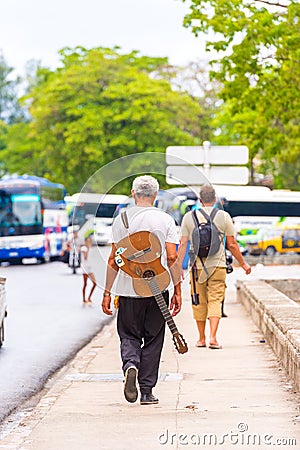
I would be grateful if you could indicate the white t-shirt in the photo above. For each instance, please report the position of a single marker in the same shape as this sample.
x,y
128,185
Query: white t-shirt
x,y
143,219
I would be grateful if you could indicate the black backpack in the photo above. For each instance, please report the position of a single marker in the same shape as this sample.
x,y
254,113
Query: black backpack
x,y
206,238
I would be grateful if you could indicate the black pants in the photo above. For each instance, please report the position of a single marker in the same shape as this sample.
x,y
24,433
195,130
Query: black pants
x,y
141,328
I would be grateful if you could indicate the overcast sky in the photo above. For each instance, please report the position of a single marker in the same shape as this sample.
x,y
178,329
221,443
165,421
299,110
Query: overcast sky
x,y
37,29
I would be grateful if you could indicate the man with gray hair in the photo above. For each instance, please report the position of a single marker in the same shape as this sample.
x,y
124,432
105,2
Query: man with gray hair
x,y
145,186
140,323
208,274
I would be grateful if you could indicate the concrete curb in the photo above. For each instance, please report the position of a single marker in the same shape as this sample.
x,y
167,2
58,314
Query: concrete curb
x,y
278,317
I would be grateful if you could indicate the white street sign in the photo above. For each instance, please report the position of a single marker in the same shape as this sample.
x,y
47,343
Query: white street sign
x,y
193,175
220,155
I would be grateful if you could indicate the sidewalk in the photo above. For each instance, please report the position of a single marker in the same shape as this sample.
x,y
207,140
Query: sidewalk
x,y
229,398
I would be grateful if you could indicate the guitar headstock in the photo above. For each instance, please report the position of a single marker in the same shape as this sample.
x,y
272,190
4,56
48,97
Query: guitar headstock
x,y
179,342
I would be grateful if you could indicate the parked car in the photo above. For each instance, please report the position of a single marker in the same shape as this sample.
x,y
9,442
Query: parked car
x,y
102,234
278,239
3,310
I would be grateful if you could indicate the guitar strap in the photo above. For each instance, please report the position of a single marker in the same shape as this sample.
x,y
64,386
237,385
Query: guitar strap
x,y
178,339
124,218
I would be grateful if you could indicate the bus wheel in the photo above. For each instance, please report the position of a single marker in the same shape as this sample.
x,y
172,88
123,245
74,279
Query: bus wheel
x,y
43,260
15,261
270,251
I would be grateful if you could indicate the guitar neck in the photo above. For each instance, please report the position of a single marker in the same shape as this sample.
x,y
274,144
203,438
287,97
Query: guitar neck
x,y
162,305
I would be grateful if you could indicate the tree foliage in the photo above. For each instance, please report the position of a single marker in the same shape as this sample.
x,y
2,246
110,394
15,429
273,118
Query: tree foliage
x,y
98,106
258,43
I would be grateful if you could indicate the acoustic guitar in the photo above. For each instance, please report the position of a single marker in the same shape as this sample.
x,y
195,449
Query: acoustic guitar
x,y
138,255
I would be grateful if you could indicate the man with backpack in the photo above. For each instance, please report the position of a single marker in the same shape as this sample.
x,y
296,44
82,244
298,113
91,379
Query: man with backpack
x,y
207,229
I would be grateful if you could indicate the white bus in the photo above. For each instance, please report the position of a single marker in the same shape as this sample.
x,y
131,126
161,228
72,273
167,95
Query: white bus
x,y
92,214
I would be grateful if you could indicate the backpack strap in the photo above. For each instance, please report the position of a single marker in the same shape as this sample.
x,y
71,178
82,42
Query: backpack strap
x,y
209,218
204,214
195,218
124,218
213,214
197,225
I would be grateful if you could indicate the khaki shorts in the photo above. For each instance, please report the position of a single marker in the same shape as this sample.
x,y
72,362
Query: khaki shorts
x,y
211,294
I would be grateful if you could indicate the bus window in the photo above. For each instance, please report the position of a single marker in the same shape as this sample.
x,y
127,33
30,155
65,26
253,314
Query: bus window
x,y
291,239
27,209
21,215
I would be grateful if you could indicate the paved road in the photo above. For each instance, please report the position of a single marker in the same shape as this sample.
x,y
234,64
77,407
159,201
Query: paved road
x,y
46,325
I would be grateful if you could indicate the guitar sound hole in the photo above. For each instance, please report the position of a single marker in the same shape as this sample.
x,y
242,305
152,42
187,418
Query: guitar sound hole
x,y
148,274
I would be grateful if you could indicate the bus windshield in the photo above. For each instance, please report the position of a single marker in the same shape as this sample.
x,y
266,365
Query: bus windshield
x,y
20,215
106,210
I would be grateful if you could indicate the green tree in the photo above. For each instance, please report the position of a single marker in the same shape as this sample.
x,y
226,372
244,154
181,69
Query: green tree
x,y
259,47
98,106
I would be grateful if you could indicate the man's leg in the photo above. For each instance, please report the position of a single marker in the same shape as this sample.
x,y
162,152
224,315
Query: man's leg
x,y
215,292
200,312
93,280
85,277
201,329
213,324
154,331
130,330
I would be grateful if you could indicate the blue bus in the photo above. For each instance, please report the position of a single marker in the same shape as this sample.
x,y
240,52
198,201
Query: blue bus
x,y
33,219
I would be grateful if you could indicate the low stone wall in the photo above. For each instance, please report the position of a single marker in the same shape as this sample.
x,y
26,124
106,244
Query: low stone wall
x,y
278,318
279,259
290,287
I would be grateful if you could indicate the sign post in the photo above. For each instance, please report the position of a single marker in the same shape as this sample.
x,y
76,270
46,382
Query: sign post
x,y
219,164
206,163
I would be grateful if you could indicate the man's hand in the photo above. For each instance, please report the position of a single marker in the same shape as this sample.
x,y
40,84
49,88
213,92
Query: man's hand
x,y
233,247
106,305
175,305
246,268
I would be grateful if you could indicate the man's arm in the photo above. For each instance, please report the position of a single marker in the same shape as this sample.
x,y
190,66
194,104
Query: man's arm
x,y
182,249
233,247
111,273
185,232
174,266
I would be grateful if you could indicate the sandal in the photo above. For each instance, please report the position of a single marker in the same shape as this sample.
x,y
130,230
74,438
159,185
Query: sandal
x,y
215,346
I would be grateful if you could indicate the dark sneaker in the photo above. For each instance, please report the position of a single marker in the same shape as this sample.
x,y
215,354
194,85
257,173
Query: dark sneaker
x,y
130,389
148,399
